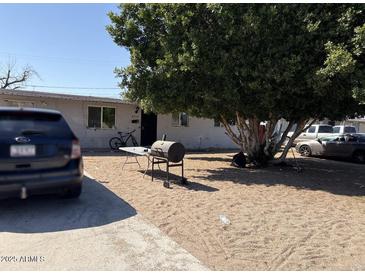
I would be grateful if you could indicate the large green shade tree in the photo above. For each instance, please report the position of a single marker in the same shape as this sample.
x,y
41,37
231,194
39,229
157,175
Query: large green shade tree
x,y
251,63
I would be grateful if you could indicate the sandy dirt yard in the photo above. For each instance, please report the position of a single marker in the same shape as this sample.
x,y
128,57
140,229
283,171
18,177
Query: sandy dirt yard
x,y
279,219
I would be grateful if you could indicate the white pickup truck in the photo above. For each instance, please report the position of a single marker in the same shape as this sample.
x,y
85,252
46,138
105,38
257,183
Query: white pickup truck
x,y
321,130
313,132
341,129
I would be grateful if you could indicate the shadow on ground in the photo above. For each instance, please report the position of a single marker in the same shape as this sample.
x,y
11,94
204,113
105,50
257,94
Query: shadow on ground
x,y
160,175
102,153
211,159
340,178
96,206
109,152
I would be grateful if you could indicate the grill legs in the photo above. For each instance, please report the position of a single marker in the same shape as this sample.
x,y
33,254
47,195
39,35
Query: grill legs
x,y
153,166
157,161
167,171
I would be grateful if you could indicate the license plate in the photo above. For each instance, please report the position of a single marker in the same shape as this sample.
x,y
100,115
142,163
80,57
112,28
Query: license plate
x,y
22,150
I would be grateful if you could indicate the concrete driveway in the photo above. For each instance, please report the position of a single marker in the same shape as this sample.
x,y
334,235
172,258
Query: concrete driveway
x,y
99,231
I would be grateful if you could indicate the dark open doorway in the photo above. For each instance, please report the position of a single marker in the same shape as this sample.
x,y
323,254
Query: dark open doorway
x,y
148,128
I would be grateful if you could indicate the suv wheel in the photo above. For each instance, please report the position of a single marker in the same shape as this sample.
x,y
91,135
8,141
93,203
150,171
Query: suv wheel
x,y
359,157
305,150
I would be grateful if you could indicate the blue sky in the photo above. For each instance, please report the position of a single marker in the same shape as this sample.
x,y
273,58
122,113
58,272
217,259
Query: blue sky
x,y
66,44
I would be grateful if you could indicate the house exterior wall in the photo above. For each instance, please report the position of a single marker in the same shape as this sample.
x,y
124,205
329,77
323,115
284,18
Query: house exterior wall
x,y
359,124
362,127
199,134
76,114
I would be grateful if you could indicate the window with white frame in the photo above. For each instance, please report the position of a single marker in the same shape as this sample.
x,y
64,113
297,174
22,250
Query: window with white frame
x,y
101,117
184,119
180,119
217,123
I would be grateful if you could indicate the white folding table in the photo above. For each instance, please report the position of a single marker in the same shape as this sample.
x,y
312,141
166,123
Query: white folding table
x,y
136,152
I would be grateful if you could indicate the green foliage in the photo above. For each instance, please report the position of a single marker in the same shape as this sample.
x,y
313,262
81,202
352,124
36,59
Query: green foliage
x,y
266,61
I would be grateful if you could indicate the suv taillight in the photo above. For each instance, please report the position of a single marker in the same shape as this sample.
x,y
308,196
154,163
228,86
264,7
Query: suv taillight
x,y
76,149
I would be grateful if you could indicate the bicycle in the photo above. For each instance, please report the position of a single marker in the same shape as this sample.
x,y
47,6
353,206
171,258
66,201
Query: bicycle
x,y
116,142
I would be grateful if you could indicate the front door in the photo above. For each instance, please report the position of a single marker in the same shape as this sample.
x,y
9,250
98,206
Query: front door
x,y
148,128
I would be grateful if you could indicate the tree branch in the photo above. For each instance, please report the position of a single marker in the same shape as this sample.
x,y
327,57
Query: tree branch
x,y
230,132
10,81
283,137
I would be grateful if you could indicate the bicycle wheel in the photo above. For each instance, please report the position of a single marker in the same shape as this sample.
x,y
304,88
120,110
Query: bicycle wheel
x,y
134,141
115,143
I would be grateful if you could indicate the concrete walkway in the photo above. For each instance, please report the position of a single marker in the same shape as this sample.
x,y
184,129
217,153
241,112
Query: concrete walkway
x,y
99,231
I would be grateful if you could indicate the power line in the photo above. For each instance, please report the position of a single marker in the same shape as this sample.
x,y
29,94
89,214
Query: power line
x,y
67,59
97,88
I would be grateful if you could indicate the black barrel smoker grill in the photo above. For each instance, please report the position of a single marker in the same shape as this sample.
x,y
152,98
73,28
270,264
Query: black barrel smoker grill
x,y
169,153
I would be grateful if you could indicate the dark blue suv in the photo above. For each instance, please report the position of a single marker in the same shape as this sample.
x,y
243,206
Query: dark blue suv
x,y
39,154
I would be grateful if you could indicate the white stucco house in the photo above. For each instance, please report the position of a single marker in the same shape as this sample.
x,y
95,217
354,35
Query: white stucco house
x,y
96,119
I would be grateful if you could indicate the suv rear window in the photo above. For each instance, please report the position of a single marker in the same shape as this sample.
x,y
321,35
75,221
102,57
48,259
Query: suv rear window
x,y
325,129
27,123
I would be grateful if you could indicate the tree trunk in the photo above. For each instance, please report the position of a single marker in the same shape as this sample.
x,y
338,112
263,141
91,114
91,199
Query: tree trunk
x,y
302,125
250,138
258,146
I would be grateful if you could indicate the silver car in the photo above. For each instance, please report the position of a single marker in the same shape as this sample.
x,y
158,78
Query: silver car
x,y
336,145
